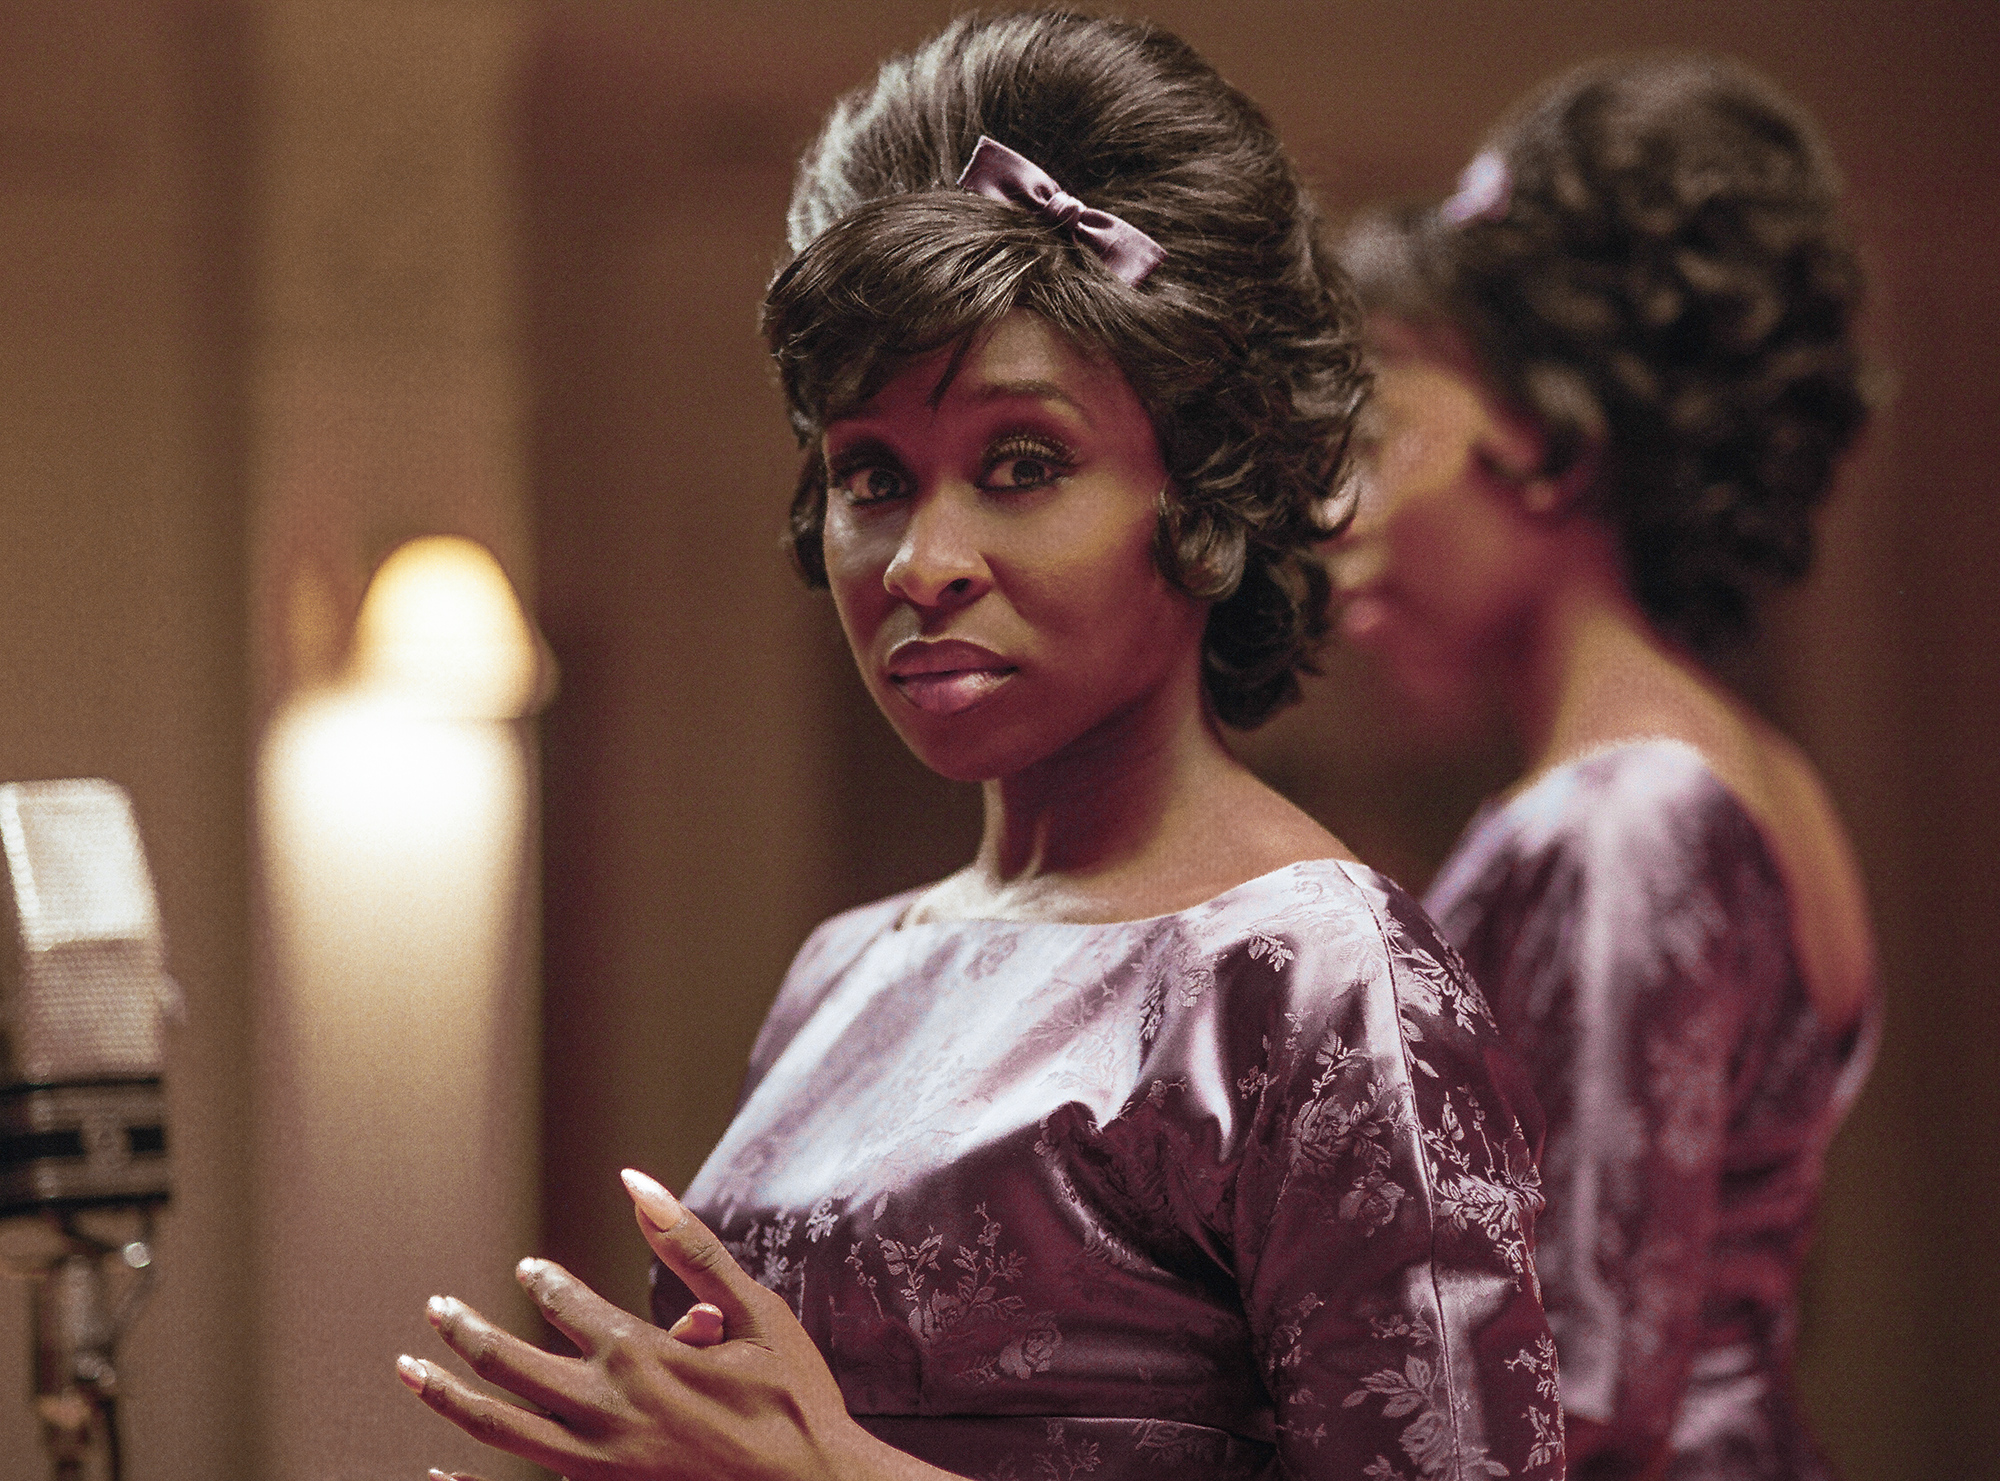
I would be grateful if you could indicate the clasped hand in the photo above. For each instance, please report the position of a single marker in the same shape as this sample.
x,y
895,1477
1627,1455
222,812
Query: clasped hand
x,y
734,1391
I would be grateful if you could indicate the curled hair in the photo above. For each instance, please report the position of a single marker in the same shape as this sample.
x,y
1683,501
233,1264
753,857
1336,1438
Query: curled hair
x,y
1653,266
1242,345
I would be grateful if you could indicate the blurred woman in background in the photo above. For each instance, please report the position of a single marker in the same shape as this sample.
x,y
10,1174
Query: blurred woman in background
x,y
1615,373
1163,1139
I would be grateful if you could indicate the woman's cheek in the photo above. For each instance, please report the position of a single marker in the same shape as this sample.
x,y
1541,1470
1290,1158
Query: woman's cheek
x,y
1455,565
856,559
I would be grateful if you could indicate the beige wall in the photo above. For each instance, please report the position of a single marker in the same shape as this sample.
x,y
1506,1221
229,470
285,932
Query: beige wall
x,y
395,1011
257,324
123,635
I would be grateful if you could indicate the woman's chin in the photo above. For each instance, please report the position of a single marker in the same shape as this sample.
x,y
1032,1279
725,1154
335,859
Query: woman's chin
x,y
955,763
958,747
972,747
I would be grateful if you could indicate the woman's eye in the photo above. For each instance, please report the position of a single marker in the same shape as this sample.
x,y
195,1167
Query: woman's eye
x,y
869,485
1023,473
1031,468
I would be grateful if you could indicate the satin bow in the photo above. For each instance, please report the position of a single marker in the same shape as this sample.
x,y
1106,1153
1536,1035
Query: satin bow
x,y
997,172
1485,191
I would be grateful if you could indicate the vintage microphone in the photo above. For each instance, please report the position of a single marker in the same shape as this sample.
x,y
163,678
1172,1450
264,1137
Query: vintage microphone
x,y
84,996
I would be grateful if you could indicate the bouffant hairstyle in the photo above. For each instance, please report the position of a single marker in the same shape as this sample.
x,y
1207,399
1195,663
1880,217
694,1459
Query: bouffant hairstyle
x,y
1242,344
1647,257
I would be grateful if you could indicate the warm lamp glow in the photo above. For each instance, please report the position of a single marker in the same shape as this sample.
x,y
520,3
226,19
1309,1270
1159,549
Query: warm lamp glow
x,y
442,633
395,815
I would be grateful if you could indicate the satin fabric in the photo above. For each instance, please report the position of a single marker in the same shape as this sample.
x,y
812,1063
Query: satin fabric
x,y
1242,1191
1002,174
1632,931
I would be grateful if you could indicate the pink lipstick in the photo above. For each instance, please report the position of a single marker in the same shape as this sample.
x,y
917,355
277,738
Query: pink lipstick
x,y
946,676
1361,615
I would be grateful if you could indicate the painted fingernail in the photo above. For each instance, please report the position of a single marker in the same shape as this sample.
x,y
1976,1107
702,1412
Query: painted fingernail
x,y
411,1371
699,1326
437,1309
659,1206
704,1325
528,1269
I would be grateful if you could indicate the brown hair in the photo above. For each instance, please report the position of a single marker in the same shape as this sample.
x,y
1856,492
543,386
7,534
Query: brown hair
x,y
1242,344
1657,272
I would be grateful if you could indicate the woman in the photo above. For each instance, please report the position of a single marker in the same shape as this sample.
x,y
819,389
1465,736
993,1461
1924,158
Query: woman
x,y
1615,372
1159,1140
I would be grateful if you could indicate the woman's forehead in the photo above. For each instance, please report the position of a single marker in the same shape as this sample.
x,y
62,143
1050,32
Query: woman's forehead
x,y
1022,357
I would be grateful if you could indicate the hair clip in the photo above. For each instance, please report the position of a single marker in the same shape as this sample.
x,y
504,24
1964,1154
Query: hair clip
x,y
1485,191
1000,174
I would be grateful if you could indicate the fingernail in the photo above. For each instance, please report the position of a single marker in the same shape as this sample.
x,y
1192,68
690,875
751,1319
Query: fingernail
x,y
437,1309
528,1269
437,1475
655,1202
705,1322
411,1371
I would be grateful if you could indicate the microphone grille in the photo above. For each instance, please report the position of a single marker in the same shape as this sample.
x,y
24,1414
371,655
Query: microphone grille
x,y
83,982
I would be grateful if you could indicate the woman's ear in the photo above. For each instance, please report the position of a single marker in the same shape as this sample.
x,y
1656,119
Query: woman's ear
x,y
1549,494
1515,456
1568,490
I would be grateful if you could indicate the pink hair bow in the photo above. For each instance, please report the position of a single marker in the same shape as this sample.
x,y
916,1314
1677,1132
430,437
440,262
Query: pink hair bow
x,y
1485,191
997,172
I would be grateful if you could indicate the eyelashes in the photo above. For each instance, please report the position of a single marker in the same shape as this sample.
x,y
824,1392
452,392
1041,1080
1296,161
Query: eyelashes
x,y
870,473
1043,459
866,483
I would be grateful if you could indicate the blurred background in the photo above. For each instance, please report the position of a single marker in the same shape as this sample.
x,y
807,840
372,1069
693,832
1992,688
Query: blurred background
x,y
286,284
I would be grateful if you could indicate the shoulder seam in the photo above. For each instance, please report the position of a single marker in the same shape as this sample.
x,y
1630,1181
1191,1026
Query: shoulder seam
x,y
1447,1356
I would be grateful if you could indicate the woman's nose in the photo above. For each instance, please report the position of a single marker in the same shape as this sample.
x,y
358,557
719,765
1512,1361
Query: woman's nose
x,y
938,561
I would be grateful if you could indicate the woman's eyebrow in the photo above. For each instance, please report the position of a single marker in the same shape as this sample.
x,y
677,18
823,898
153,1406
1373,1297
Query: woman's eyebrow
x,y
863,449
1031,390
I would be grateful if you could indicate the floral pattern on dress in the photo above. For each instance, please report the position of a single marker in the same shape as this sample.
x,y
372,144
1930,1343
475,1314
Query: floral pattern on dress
x,y
1241,1192
1633,933
1061,1459
974,1306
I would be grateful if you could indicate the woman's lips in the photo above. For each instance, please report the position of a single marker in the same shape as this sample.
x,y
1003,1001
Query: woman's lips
x,y
1362,615
944,677
950,690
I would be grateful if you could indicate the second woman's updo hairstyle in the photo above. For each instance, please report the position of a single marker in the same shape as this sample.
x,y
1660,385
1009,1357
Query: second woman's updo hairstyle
x,y
1242,343
1647,258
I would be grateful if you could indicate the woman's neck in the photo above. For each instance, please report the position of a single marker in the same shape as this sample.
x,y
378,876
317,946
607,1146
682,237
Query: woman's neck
x,y
1147,814
1591,670
1110,797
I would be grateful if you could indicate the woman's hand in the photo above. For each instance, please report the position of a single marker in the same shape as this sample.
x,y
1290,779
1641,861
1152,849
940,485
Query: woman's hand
x,y
734,1391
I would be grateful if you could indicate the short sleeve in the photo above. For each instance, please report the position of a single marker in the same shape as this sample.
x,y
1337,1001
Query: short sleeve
x,y
1383,1213
1622,951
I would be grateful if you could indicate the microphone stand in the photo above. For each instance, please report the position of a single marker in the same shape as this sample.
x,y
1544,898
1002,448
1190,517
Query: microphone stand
x,y
76,1332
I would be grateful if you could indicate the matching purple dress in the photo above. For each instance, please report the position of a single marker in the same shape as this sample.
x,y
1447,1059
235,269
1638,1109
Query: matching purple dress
x,y
1243,1191
1633,934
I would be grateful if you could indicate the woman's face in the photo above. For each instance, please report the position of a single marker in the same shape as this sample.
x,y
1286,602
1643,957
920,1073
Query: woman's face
x,y
990,548
1439,569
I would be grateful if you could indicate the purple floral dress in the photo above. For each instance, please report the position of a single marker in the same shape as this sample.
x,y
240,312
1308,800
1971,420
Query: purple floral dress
x,y
1633,933
1243,1191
